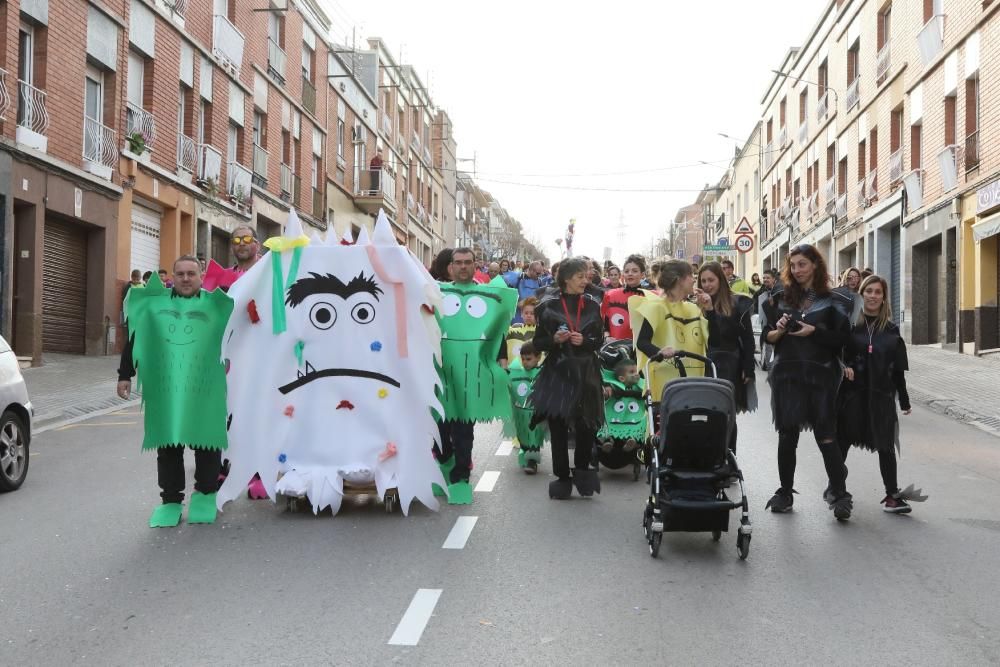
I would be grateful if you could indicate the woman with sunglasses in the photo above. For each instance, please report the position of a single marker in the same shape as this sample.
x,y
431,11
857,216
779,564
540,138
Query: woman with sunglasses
x,y
808,325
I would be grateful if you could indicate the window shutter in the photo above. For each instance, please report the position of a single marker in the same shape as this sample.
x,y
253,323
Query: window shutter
x,y
102,38
142,28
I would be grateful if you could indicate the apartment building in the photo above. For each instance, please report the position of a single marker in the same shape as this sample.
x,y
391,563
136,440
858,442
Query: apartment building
x,y
445,155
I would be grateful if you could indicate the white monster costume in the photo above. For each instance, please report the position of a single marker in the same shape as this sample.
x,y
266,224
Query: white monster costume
x,y
331,350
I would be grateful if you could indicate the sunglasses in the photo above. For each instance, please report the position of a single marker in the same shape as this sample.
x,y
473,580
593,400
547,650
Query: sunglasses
x,y
246,240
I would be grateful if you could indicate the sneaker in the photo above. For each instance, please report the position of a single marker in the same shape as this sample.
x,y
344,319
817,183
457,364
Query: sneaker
x,y
781,501
827,496
530,467
842,507
895,505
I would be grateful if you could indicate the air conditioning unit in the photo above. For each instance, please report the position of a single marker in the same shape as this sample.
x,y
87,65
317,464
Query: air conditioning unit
x,y
359,134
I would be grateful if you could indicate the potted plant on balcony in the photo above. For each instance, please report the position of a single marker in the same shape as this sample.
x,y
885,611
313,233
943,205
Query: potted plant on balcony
x,y
210,186
239,197
137,143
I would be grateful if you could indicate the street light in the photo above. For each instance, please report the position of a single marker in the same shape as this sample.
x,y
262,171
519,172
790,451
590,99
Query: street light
x,y
836,97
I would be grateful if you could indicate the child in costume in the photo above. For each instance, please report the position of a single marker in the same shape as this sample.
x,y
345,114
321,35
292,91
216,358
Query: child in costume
x,y
525,331
175,339
530,438
624,409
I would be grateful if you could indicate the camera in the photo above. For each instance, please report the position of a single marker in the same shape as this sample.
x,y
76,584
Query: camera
x,y
794,322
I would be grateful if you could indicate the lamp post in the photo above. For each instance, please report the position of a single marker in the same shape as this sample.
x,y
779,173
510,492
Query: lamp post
x,y
760,184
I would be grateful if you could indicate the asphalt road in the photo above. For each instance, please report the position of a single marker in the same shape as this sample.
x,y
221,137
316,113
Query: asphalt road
x,y
83,580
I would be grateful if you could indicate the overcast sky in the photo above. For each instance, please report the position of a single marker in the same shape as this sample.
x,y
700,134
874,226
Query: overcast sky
x,y
557,99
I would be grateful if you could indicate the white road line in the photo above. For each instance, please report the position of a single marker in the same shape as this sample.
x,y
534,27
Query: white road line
x,y
459,535
487,481
506,447
412,625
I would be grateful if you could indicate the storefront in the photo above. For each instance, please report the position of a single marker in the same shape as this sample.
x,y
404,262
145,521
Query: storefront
x,y
981,268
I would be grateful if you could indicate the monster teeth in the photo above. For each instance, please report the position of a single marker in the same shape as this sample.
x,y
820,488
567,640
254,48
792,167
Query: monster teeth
x,y
301,374
483,337
444,334
309,369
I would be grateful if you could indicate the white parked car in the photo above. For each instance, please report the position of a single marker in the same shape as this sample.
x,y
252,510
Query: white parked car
x,y
15,421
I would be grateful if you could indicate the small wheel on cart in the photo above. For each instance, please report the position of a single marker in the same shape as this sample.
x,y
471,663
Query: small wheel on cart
x,y
647,520
743,546
636,471
654,544
716,535
389,501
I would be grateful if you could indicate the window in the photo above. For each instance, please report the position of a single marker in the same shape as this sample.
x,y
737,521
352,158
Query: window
x,y
809,181
26,53
225,8
873,149
884,26
781,111
259,129
916,148
896,130
853,63
341,129
861,160
803,105
831,161
276,28
315,173
950,108
746,197
204,132
307,63
796,192
136,71
756,184
972,122
739,208
933,8
93,104
822,79
770,129
842,176
232,148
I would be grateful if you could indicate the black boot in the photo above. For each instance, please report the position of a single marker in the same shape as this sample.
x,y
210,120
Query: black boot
x,y
560,489
586,482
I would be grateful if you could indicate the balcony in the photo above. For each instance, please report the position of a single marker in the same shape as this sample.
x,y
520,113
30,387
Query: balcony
x,y
931,39
178,7
386,125
972,151
882,64
209,165
421,214
32,116
5,98
317,204
415,144
100,152
768,155
841,207
296,191
308,96
948,159
812,204
286,181
862,194
804,133
140,129
896,166
871,186
830,194
854,93
410,202
259,166
913,182
238,180
374,190
427,155
823,106
187,154
227,44
276,60
782,137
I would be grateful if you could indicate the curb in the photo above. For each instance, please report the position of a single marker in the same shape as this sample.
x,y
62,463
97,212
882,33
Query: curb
x,y
53,424
949,408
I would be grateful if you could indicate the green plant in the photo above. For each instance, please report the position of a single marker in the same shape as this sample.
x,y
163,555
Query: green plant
x,y
211,187
137,143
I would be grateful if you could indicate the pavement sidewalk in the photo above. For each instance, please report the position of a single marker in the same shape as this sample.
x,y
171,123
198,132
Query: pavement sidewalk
x,y
71,387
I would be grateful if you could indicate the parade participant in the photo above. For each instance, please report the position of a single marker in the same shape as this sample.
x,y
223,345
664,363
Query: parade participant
x,y
848,288
808,326
663,324
331,353
246,249
624,417
473,320
730,334
614,277
518,334
567,390
175,337
441,266
530,436
761,299
614,306
736,284
526,283
875,379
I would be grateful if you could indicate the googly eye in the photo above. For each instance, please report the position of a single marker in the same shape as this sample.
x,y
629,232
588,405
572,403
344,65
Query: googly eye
x,y
476,306
522,389
617,319
620,407
633,408
363,313
322,315
450,305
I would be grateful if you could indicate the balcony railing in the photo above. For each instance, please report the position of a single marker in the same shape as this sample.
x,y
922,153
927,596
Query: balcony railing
x,y
882,63
178,7
841,208
415,143
296,191
427,155
260,161
238,178
854,93
209,163
871,185
948,160
227,43
931,39
823,106
830,194
286,179
5,98
141,122
896,166
803,133
308,96
782,137
31,112
317,204
187,154
768,155
913,182
862,195
410,202
386,124
99,143
276,60
375,183
972,151
812,204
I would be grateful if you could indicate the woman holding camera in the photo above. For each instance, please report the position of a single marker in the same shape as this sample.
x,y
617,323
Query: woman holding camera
x,y
808,325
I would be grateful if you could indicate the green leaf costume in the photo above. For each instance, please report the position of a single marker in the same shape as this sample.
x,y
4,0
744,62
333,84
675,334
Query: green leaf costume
x,y
529,439
625,411
474,319
177,350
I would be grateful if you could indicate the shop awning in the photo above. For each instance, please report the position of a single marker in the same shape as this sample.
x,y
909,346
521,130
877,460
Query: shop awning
x,y
987,228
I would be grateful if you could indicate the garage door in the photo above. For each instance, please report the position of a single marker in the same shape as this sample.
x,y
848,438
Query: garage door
x,y
64,287
145,239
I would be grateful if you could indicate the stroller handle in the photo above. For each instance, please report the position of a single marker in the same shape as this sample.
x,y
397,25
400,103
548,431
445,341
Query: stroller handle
x,y
679,365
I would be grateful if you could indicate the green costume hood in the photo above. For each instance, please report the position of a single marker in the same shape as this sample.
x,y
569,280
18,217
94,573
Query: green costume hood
x,y
625,412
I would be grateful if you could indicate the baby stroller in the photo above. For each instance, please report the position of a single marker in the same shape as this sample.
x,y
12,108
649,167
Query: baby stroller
x,y
624,439
692,463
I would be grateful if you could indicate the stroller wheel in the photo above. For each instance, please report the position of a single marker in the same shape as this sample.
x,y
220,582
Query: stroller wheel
x,y
654,544
647,520
743,546
716,535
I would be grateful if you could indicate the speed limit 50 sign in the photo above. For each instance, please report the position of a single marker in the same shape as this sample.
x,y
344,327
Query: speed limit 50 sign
x,y
744,243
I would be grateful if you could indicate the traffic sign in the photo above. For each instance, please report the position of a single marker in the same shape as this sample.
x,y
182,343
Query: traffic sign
x,y
744,227
722,240
744,243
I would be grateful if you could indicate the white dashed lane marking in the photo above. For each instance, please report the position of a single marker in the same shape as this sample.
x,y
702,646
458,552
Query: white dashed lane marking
x,y
506,447
459,535
412,625
487,481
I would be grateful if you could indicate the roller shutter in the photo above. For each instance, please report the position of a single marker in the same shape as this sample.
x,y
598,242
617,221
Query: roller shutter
x,y
64,287
145,239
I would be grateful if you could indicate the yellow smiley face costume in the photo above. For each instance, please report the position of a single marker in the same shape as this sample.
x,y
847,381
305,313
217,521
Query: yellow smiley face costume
x,y
679,325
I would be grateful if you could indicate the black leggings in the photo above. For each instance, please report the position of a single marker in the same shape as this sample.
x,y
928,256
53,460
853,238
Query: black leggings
x,y
170,472
886,465
833,460
559,436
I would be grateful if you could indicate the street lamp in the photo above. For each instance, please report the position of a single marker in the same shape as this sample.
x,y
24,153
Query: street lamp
x,y
826,88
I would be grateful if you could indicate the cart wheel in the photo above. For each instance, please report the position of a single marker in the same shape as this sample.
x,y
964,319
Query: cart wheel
x,y
716,535
654,544
647,519
743,546
389,501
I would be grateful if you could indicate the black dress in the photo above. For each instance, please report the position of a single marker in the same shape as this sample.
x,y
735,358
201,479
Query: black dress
x,y
731,348
867,406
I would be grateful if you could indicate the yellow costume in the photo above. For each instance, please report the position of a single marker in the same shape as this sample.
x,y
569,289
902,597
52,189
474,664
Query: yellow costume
x,y
517,335
679,325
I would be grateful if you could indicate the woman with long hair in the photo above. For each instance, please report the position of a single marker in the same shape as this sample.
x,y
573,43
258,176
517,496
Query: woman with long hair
x,y
850,279
808,326
664,324
441,266
568,390
876,363
614,306
613,279
730,333
504,266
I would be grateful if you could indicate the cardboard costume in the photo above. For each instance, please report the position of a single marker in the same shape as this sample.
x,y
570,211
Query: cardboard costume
x,y
530,438
674,324
517,335
331,351
614,312
625,411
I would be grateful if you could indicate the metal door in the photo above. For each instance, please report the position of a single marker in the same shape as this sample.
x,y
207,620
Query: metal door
x,y
64,287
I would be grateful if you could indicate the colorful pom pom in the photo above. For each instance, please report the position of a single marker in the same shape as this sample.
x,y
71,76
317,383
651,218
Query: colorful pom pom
x,y
282,458
252,312
376,346
289,410
382,393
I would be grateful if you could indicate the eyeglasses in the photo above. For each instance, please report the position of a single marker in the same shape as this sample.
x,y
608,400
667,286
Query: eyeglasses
x,y
245,240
